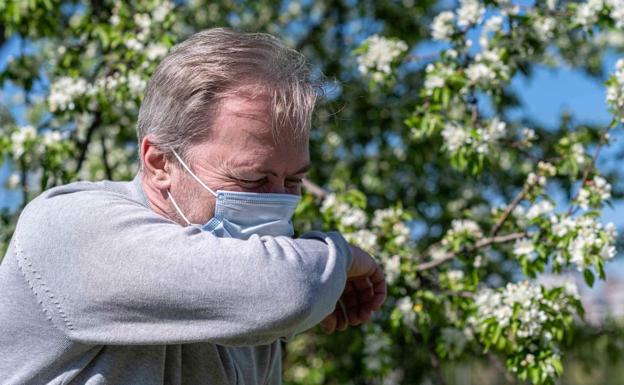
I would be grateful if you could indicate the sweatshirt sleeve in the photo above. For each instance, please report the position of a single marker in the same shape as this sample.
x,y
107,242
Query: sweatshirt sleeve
x,y
108,270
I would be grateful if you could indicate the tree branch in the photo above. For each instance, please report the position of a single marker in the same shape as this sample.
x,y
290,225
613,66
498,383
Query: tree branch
x,y
314,189
592,163
480,244
508,210
107,167
97,120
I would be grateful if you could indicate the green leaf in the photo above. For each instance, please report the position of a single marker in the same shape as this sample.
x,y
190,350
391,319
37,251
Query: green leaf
x,y
589,277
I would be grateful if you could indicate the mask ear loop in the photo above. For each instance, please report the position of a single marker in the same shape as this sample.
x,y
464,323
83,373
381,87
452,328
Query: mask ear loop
x,y
178,208
192,174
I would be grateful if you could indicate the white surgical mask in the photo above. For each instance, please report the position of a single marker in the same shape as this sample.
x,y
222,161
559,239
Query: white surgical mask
x,y
241,214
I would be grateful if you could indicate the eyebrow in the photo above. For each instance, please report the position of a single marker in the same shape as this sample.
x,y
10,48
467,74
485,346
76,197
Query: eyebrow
x,y
236,171
302,170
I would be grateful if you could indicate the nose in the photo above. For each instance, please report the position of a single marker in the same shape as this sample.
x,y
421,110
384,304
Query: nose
x,y
279,186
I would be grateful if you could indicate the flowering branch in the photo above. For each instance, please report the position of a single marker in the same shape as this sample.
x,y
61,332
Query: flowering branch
x,y
508,210
480,244
592,163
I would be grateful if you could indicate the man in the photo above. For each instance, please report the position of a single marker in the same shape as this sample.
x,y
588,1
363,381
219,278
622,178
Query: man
x,y
189,273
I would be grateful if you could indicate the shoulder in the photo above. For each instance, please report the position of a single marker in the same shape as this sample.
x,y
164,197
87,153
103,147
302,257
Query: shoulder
x,y
76,204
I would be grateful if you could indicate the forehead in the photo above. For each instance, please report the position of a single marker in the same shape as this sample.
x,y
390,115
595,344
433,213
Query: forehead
x,y
242,134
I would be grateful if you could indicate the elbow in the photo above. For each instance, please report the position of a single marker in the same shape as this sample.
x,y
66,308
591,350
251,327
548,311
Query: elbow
x,y
305,306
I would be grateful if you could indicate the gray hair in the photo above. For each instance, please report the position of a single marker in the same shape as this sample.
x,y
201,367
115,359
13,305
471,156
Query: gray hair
x,y
187,86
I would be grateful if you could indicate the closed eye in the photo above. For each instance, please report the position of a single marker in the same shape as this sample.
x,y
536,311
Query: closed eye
x,y
250,181
294,180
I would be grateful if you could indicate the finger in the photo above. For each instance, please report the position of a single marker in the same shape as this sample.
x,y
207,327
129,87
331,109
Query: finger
x,y
350,296
365,314
362,285
379,289
329,323
342,317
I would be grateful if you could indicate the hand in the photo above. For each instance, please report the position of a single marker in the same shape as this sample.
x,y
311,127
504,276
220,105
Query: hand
x,y
364,293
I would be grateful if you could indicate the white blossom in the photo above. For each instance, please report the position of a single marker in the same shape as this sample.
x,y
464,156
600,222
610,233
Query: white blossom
x,y
354,218
363,238
539,209
136,84
161,11
433,81
134,44
347,215
381,216
142,20
478,262
392,268
455,136
578,152
551,4
155,51
501,304
615,89
380,54
523,247
546,168
455,276
64,91
376,347
14,180
493,24
406,307
534,179
443,26
401,233
20,137
528,134
616,12
464,227
50,138
587,13
480,72
470,12
571,289
587,237
544,28
598,186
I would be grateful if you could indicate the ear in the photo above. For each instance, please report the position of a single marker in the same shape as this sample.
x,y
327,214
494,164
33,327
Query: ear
x,y
156,166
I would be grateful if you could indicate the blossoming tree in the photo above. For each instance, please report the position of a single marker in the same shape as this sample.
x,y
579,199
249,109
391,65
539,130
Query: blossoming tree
x,y
454,199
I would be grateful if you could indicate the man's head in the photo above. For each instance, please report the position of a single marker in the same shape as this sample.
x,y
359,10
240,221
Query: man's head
x,y
237,108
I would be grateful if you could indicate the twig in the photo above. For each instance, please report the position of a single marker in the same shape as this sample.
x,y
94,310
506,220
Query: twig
x,y
97,120
516,201
314,189
592,163
107,167
480,244
24,182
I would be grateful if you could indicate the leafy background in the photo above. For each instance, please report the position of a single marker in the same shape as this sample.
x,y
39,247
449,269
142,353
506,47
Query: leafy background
x,y
73,73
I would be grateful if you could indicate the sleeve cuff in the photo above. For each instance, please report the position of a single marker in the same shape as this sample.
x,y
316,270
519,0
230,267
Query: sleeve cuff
x,y
341,244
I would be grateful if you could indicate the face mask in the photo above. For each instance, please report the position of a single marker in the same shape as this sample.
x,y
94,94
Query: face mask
x,y
241,214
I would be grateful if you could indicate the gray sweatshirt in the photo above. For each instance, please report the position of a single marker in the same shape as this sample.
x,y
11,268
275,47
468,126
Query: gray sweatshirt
x,y
96,288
